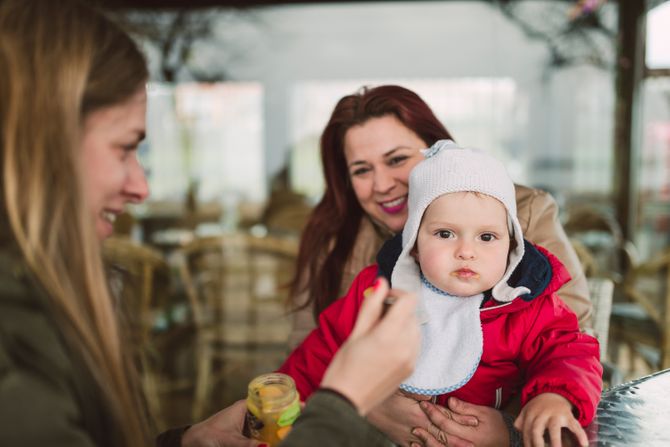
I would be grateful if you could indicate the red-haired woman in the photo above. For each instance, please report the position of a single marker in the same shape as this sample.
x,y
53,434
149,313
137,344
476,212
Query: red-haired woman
x,y
368,148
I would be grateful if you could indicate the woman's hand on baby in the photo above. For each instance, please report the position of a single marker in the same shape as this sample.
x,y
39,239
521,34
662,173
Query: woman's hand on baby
x,y
548,412
396,417
462,424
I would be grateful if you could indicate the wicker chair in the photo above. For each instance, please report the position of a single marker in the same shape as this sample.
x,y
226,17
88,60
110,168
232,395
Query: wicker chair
x,y
644,322
598,241
236,289
139,279
601,293
586,258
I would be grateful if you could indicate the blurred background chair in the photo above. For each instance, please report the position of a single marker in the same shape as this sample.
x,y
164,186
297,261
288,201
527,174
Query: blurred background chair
x,y
586,258
140,281
237,287
598,241
643,322
601,291
286,211
638,308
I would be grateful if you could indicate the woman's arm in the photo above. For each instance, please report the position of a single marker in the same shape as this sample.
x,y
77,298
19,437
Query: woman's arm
x,y
320,424
46,397
330,421
307,364
378,355
36,409
368,242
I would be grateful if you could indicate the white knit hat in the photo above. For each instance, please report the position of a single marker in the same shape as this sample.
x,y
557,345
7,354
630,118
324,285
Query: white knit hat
x,y
449,168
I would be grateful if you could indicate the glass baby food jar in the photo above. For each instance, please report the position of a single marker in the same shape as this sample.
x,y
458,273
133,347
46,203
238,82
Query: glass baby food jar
x,y
273,404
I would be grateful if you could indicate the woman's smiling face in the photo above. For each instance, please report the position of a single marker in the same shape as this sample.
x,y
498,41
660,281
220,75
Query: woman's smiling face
x,y
380,154
112,175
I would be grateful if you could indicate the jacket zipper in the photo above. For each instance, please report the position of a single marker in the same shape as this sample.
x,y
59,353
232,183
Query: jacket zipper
x,y
498,398
495,307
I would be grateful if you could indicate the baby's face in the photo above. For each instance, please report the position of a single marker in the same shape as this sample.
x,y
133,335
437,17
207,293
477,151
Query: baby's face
x,y
463,243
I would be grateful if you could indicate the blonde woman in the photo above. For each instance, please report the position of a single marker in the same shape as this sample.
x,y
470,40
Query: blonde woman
x,y
72,113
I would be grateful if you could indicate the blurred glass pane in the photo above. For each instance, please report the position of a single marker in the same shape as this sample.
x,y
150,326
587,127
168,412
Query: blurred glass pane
x,y
208,133
654,176
658,37
480,112
557,136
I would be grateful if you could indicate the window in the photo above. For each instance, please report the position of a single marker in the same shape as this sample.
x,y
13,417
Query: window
x,y
653,225
658,36
485,113
559,141
210,134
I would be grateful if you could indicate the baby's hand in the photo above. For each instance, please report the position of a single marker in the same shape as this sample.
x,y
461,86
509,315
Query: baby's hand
x,y
552,412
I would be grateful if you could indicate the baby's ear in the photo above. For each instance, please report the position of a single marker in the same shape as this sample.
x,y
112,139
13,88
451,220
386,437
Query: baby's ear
x,y
414,252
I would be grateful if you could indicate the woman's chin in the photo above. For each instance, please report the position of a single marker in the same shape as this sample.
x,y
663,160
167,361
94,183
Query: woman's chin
x,y
103,229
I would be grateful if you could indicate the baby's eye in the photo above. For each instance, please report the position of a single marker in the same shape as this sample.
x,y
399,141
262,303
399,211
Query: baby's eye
x,y
444,234
488,237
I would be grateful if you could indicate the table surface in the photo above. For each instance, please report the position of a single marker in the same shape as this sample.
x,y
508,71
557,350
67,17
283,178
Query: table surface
x,y
636,413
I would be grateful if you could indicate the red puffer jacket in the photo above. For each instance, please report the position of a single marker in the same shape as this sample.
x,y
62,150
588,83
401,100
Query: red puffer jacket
x,y
531,345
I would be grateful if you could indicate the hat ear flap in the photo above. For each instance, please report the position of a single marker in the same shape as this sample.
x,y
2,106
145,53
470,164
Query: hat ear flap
x,y
502,291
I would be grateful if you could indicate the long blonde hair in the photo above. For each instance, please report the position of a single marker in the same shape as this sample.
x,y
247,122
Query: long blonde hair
x,y
60,60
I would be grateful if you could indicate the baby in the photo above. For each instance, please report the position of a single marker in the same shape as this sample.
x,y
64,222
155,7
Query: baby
x,y
492,325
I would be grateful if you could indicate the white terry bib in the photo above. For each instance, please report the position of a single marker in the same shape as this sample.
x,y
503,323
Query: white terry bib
x,y
451,342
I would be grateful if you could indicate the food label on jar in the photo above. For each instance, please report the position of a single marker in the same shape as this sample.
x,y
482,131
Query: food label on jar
x,y
254,424
288,416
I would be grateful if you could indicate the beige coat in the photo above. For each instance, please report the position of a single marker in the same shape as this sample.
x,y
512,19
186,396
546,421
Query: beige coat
x,y
538,215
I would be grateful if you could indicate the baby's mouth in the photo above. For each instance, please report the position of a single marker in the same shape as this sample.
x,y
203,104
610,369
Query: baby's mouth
x,y
465,273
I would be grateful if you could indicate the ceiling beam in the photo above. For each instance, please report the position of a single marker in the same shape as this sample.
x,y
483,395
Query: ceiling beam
x,y
197,4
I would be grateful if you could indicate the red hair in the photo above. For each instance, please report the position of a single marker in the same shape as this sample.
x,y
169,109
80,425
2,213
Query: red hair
x,y
328,238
